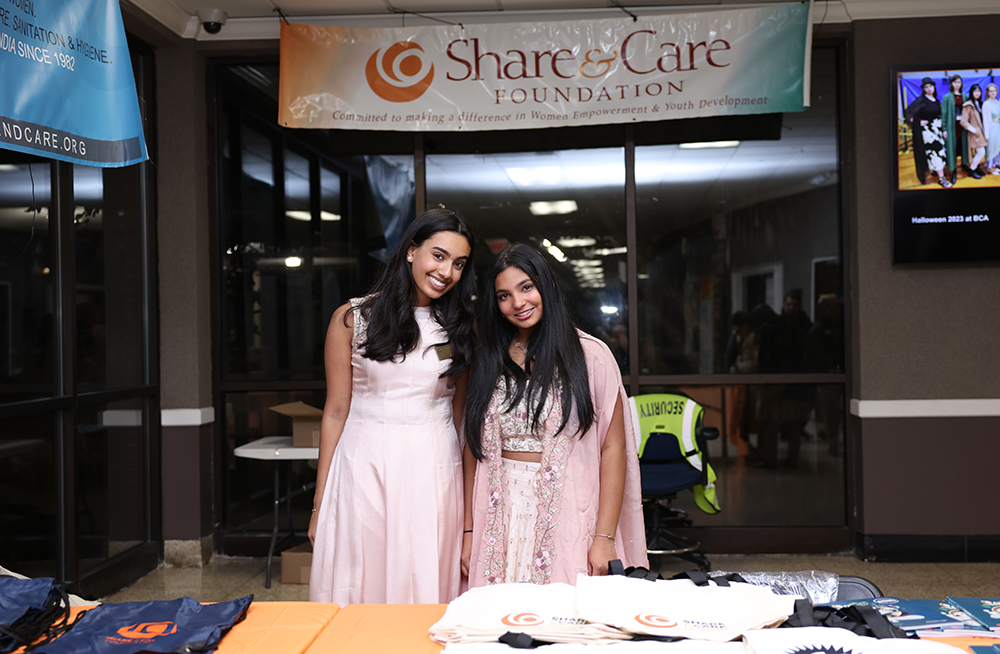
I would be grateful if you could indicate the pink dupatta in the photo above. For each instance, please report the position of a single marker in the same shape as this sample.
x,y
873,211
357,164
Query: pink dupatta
x,y
568,488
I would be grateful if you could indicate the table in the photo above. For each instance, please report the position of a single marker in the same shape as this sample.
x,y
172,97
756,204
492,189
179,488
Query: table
x,y
279,449
315,628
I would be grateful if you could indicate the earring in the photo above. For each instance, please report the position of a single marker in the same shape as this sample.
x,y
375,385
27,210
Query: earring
x,y
409,258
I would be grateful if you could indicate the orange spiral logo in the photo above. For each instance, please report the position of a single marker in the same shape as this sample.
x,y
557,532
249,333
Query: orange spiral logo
x,y
145,630
521,620
400,74
655,621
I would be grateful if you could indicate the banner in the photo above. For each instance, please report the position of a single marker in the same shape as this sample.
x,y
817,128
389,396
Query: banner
x,y
546,74
68,92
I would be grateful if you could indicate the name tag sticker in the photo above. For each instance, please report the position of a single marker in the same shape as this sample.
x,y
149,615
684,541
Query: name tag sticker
x,y
443,351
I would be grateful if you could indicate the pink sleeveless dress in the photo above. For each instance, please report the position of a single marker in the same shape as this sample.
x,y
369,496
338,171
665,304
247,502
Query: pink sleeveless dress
x,y
390,524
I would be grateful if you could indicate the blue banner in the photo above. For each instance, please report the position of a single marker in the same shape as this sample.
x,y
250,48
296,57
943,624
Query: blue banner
x,y
67,90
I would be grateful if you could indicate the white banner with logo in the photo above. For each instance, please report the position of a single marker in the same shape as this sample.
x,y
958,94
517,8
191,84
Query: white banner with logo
x,y
547,74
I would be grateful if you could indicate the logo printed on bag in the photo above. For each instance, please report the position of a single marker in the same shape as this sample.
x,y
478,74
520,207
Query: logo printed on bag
x,y
655,621
521,619
400,74
147,630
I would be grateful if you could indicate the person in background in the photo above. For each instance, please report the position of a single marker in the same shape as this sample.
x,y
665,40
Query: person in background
x,y
955,138
387,515
972,122
738,359
552,476
796,399
924,116
824,353
991,124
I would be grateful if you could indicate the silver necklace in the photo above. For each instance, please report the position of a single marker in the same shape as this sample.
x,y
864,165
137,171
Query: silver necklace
x,y
517,344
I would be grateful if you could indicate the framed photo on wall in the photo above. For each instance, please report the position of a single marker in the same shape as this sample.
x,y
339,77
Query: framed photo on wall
x,y
946,172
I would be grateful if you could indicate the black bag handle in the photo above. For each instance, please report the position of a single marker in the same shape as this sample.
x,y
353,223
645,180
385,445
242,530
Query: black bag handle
x,y
878,623
859,619
616,567
701,579
45,623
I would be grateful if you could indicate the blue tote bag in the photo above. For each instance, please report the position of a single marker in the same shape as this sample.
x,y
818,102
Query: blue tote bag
x,y
30,608
183,626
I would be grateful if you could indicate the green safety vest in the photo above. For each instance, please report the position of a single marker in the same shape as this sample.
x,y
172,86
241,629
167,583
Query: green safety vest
x,y
662,413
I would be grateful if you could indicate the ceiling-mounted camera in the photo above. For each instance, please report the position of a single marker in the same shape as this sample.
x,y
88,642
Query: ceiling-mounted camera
x,y
212,20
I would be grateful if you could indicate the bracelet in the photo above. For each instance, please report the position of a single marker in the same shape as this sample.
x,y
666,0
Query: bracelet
x,y
467,531
611,538
315,510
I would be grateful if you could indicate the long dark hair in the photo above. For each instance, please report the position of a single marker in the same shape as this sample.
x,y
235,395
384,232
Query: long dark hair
x,y
978,104
554,348
392,328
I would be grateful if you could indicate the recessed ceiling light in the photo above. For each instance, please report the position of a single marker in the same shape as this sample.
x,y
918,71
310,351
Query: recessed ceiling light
x,y
550,208
538,176
306,216
607,252
576,242
709,144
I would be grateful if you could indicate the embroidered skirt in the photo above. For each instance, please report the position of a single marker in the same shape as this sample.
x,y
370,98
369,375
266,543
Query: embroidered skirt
x,y
521,508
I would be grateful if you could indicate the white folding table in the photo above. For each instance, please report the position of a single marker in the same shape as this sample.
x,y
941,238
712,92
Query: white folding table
x,y
279,449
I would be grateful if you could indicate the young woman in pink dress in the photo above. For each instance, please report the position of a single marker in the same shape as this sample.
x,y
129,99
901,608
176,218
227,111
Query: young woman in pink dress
x,y
388,509
552,477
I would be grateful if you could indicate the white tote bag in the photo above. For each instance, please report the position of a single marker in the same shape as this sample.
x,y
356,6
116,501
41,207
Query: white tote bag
x,y
679,607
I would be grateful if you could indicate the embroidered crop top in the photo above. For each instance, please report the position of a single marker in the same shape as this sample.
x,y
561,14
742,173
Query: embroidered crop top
x,y
515,425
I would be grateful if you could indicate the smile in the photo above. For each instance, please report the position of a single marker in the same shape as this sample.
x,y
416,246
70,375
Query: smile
x,y
524,314
437,283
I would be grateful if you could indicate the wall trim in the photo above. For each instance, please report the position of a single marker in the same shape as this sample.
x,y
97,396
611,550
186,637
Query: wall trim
x,y
925,408
187,417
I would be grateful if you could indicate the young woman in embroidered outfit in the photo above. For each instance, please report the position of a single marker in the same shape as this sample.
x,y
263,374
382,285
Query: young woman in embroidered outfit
x,y
387,516
555,491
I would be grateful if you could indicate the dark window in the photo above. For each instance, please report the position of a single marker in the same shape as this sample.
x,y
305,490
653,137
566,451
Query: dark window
x,y
78,401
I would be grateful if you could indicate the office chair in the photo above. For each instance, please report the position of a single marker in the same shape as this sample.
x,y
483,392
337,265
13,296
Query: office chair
x,y
672,457
855,588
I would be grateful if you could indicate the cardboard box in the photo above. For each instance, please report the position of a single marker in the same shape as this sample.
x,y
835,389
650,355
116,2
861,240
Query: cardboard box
x,y
305,422
295,564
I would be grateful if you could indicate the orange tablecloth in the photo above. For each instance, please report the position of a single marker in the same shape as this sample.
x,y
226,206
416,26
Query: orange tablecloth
x,y
285,627
381,629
